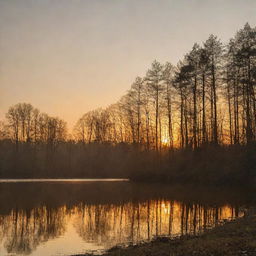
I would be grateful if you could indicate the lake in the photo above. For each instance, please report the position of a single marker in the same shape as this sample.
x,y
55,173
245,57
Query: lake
x,y
67,217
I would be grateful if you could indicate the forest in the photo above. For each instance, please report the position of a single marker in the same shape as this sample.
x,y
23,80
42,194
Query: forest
x,y
193,122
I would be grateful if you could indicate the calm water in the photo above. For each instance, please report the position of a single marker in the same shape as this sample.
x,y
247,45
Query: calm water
x,y
63,218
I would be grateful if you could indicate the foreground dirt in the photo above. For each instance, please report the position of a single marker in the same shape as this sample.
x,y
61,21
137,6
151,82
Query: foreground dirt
x,y
233,238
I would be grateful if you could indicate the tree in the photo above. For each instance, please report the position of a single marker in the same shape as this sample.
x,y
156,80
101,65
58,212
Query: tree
x,y
154,80
136,94
214,50
168,77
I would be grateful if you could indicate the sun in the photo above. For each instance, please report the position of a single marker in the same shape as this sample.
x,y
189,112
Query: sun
x,y
165,140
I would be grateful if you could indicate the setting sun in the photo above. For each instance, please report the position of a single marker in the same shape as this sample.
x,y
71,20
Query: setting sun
x,y
165,141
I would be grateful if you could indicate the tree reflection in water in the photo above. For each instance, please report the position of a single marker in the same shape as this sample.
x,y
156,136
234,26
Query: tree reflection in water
x,y
134,222
25,230
127,215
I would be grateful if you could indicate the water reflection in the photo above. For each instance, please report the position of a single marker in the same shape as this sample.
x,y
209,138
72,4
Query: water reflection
x,y
134,222
103,221
22,231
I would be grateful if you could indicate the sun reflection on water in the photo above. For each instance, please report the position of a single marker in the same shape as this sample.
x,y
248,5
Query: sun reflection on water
x,y
101,226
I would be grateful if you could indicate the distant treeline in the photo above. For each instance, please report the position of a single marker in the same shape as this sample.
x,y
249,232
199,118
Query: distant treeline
x,y
198,115
210,165
65,160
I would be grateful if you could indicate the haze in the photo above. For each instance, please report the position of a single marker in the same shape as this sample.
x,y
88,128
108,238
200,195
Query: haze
x,y
70,56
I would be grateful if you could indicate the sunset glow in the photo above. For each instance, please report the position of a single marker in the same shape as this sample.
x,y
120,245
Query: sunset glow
x,y
68,57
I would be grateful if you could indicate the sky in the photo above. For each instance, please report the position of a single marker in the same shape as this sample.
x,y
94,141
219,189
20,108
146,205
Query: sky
x,y
67,57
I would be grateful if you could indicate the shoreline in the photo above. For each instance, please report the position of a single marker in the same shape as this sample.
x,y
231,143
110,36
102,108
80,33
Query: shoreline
x,y
230,239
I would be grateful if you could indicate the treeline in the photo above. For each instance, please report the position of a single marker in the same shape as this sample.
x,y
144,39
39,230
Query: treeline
x,y
177,123
26,124
36,145
208,98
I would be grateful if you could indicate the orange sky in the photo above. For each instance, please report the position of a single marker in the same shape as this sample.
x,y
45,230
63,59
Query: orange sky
x,y
67,57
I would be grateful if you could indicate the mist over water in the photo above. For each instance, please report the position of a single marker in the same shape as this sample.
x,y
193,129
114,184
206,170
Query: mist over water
x,y
50,218
58,180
